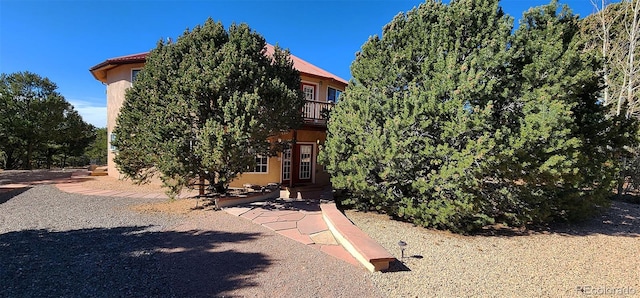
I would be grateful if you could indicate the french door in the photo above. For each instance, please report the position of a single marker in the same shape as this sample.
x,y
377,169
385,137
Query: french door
x,y
297,164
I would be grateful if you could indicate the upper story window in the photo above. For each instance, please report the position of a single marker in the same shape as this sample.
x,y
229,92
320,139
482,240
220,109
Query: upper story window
x,y
309,91
333,95
134,75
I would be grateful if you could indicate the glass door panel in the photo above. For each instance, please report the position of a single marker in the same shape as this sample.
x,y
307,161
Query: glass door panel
x,y
305,161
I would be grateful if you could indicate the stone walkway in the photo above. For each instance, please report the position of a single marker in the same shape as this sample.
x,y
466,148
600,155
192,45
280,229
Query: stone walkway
x,y
300,220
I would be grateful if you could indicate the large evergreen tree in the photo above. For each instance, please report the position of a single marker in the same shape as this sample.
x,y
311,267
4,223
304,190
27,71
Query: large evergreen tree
x,y
97,150
453,122
413,124
205,105
75,136
562,150
36,121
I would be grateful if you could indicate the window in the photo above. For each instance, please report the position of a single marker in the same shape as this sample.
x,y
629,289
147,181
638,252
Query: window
x,y
309,92
305,161
262,163
134,75
286,164
333,95
112,138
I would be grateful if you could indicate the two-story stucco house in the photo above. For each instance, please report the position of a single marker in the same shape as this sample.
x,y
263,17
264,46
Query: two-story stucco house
x,y
295,166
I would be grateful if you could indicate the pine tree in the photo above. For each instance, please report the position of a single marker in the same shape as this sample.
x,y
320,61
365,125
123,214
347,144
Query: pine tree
x,y
561,152
31,111
453,122
205,106
97,150
414,123
75,135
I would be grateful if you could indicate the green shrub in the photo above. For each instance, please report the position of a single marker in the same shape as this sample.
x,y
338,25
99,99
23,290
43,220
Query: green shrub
x,y
453,122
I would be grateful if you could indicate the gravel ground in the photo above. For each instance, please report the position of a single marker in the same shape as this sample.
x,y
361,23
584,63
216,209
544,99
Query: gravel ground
x,y
58,244
55,244
595,258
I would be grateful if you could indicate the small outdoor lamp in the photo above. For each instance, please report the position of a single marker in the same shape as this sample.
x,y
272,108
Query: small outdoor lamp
x,y
402,245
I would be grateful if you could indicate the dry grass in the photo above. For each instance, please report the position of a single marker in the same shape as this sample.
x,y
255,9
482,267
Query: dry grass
x,y
111,183
176,207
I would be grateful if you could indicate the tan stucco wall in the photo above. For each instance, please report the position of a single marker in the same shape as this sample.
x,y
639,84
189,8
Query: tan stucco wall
x,y
322,86
118,80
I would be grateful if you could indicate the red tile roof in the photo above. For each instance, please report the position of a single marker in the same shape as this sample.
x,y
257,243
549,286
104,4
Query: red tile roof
x,y
301,65
135,58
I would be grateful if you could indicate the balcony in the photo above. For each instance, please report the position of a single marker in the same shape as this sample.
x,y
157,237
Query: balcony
x,y
315,112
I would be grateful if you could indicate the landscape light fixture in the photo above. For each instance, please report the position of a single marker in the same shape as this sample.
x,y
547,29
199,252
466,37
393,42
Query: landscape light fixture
x,y
402,245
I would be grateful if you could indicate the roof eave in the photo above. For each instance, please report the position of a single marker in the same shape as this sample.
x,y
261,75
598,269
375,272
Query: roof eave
x,y
99,71
330,79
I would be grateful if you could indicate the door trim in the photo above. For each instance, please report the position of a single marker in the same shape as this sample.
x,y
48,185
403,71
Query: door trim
x,y
314,158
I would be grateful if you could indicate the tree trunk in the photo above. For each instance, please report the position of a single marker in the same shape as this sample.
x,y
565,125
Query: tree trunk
x,y
201,185
633,36
606,43
28,157
219,185
621,179
49,158
9,160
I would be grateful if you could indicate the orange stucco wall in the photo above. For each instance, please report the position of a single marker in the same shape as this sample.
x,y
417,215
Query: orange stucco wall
x,y
272,176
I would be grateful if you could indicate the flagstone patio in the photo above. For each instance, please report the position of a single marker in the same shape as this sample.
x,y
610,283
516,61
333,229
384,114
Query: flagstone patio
x,y
299,220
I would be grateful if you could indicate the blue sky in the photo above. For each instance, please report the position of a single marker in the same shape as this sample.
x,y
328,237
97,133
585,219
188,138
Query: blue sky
x,y
62,39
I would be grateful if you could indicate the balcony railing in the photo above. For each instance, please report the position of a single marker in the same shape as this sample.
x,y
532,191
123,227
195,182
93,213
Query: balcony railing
x,y
316,111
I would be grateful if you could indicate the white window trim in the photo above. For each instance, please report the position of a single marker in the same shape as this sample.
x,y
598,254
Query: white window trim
x,y
261,173
314,161
316,89
282,164
310,162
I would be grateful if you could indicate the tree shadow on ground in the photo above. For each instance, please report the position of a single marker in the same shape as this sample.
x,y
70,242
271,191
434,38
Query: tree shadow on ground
x,y
281,205
7,194
628,198
306,205
22,176
622,219
125,261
